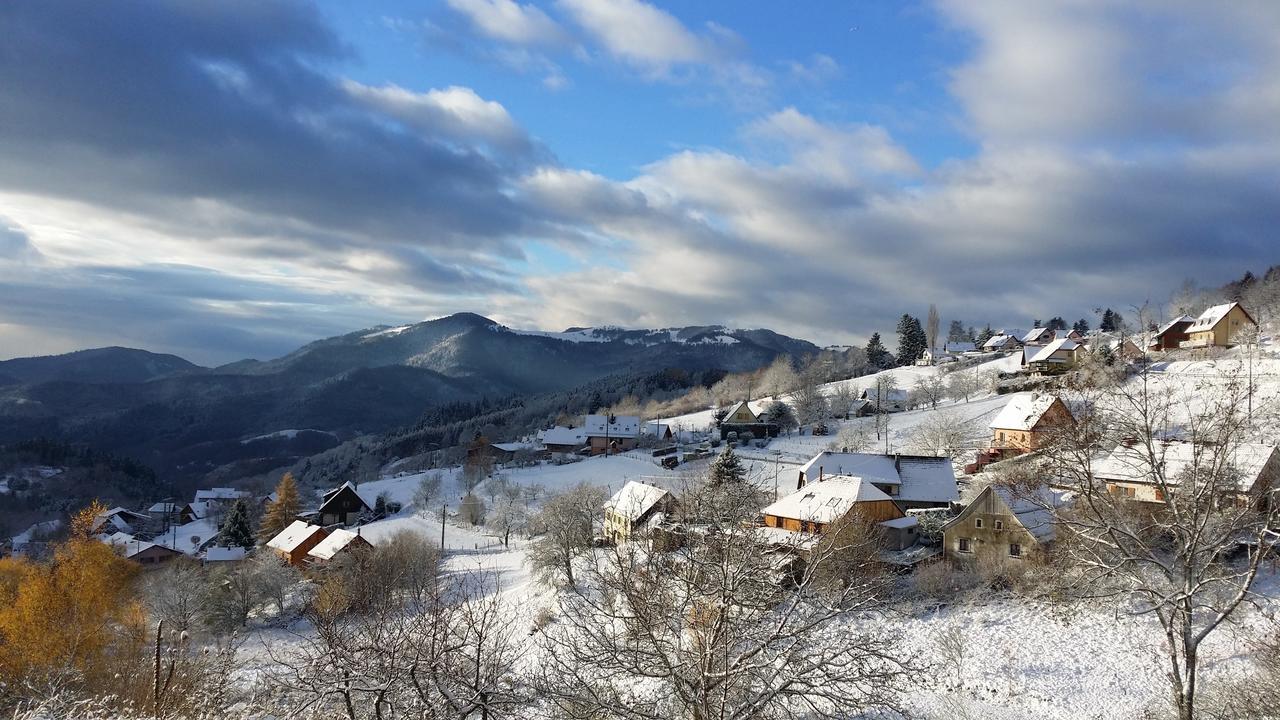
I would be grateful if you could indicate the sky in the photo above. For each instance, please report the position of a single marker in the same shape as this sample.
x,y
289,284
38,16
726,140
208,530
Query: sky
x,y
234,179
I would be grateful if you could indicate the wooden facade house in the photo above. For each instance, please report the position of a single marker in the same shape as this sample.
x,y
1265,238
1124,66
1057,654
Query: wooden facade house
x,y
560,440
1002,524
608,434
1218,326
146,553
1172,334
1128,470
344,505
742,417
1027,422
634,507
1056,357
337,544
294,542
1002,343
813,509
1039,336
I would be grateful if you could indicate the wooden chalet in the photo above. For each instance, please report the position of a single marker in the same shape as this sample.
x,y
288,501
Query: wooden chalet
x,y
814,508
294,542
1172,334
1128,470
608,434
912,481
634,507
742,417
344,505
337,544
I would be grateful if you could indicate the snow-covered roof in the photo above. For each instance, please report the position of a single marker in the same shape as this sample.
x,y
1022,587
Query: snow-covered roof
x,y
218,553
1169,325
1022,412
999,341
1134,464
826,501
118,518
656,429
563,436
959,347
220,494
202,508
164,507
1031,508
291,537
919,478
902,522
740,404
335,543
1046,352
615,426
369,500
1035,334
511,446
635,499
1211,317
189,538
1012,332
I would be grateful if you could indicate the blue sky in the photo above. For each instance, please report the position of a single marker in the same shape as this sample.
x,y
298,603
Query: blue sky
x,y
235,179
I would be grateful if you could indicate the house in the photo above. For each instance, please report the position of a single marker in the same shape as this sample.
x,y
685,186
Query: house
x,y
634,507
1039,336
1056,357
744,418
500,453
1128,469
1218,326
294,542
611,433
661,431
338,543
563,440
1028,422
954,347
118,519
219,554
145,553
913,481
895,400
199,510
1002,524
344,505
1121,348
742,414
814,507
1070,334
1001,343
221,496
1172,334
933,356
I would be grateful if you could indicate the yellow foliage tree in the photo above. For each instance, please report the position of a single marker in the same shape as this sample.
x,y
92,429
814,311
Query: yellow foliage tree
x,y
74,620
283,510
84,523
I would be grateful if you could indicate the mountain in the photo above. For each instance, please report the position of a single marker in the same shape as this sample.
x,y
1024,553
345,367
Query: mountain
x,y
101,365
188,419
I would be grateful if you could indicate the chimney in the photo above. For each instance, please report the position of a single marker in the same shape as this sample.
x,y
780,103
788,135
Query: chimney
x,y
819,473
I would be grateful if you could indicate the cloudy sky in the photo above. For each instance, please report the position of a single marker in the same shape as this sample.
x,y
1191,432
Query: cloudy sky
x,y
232,179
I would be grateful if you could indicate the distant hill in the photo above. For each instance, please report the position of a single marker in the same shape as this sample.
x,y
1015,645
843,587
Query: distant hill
x,y
189,419
100,365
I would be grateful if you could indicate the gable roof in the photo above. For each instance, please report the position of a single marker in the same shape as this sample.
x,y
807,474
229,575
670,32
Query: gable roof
x,y
348,485
1172,323
958,346
614,426
337,541
826,501
741,404
1134,464
217,553
996,341
1023,412
220,494
919,478
1046,352
288,539
657,429
201,508
1035,334
1031,508
559,435
635,499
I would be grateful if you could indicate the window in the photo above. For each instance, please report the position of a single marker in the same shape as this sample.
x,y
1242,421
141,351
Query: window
x,y
964,545
999,524
1015,550
977,522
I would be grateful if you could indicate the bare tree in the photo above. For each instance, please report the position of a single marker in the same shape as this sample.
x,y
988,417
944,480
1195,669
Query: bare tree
x,y
842,398
853,437
942,433
717,631
1172,556
177,594
961,384
509,513
929,390
566,523
931,325
810,404
427,492
882,390
779,377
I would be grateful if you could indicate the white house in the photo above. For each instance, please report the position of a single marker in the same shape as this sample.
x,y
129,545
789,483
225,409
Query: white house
x,y
634,507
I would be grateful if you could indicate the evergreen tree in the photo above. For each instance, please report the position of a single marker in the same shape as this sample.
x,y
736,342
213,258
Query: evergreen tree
x,y
236,530
1081,326
877,355
727,468
956,333
1057,323
912,340
1111,321
982,337
781,413
283,510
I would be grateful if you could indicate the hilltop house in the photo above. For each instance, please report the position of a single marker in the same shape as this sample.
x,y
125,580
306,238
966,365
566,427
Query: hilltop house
x,y
1027,422
561,440
1070,334
815,507
344,505
895,400
634,507
913,481
294,542
1121,348
118,519
338,543
221,496
611,433
742,418
1039,336
659,431
1172,334
1128,470
1056,357
1001,343
1218,326
1002,524
145,553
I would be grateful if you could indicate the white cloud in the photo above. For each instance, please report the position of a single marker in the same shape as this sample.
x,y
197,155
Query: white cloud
x,y
639,33
511,22
456,112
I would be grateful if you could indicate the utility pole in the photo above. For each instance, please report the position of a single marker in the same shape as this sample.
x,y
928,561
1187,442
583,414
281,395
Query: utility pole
x,y
444,509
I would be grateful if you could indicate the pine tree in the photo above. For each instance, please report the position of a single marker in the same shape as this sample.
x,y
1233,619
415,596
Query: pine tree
x,y
727,468
283,510
236,530
877,355
1081,326
981,338
1057,323
956,333
1110,321
911,340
